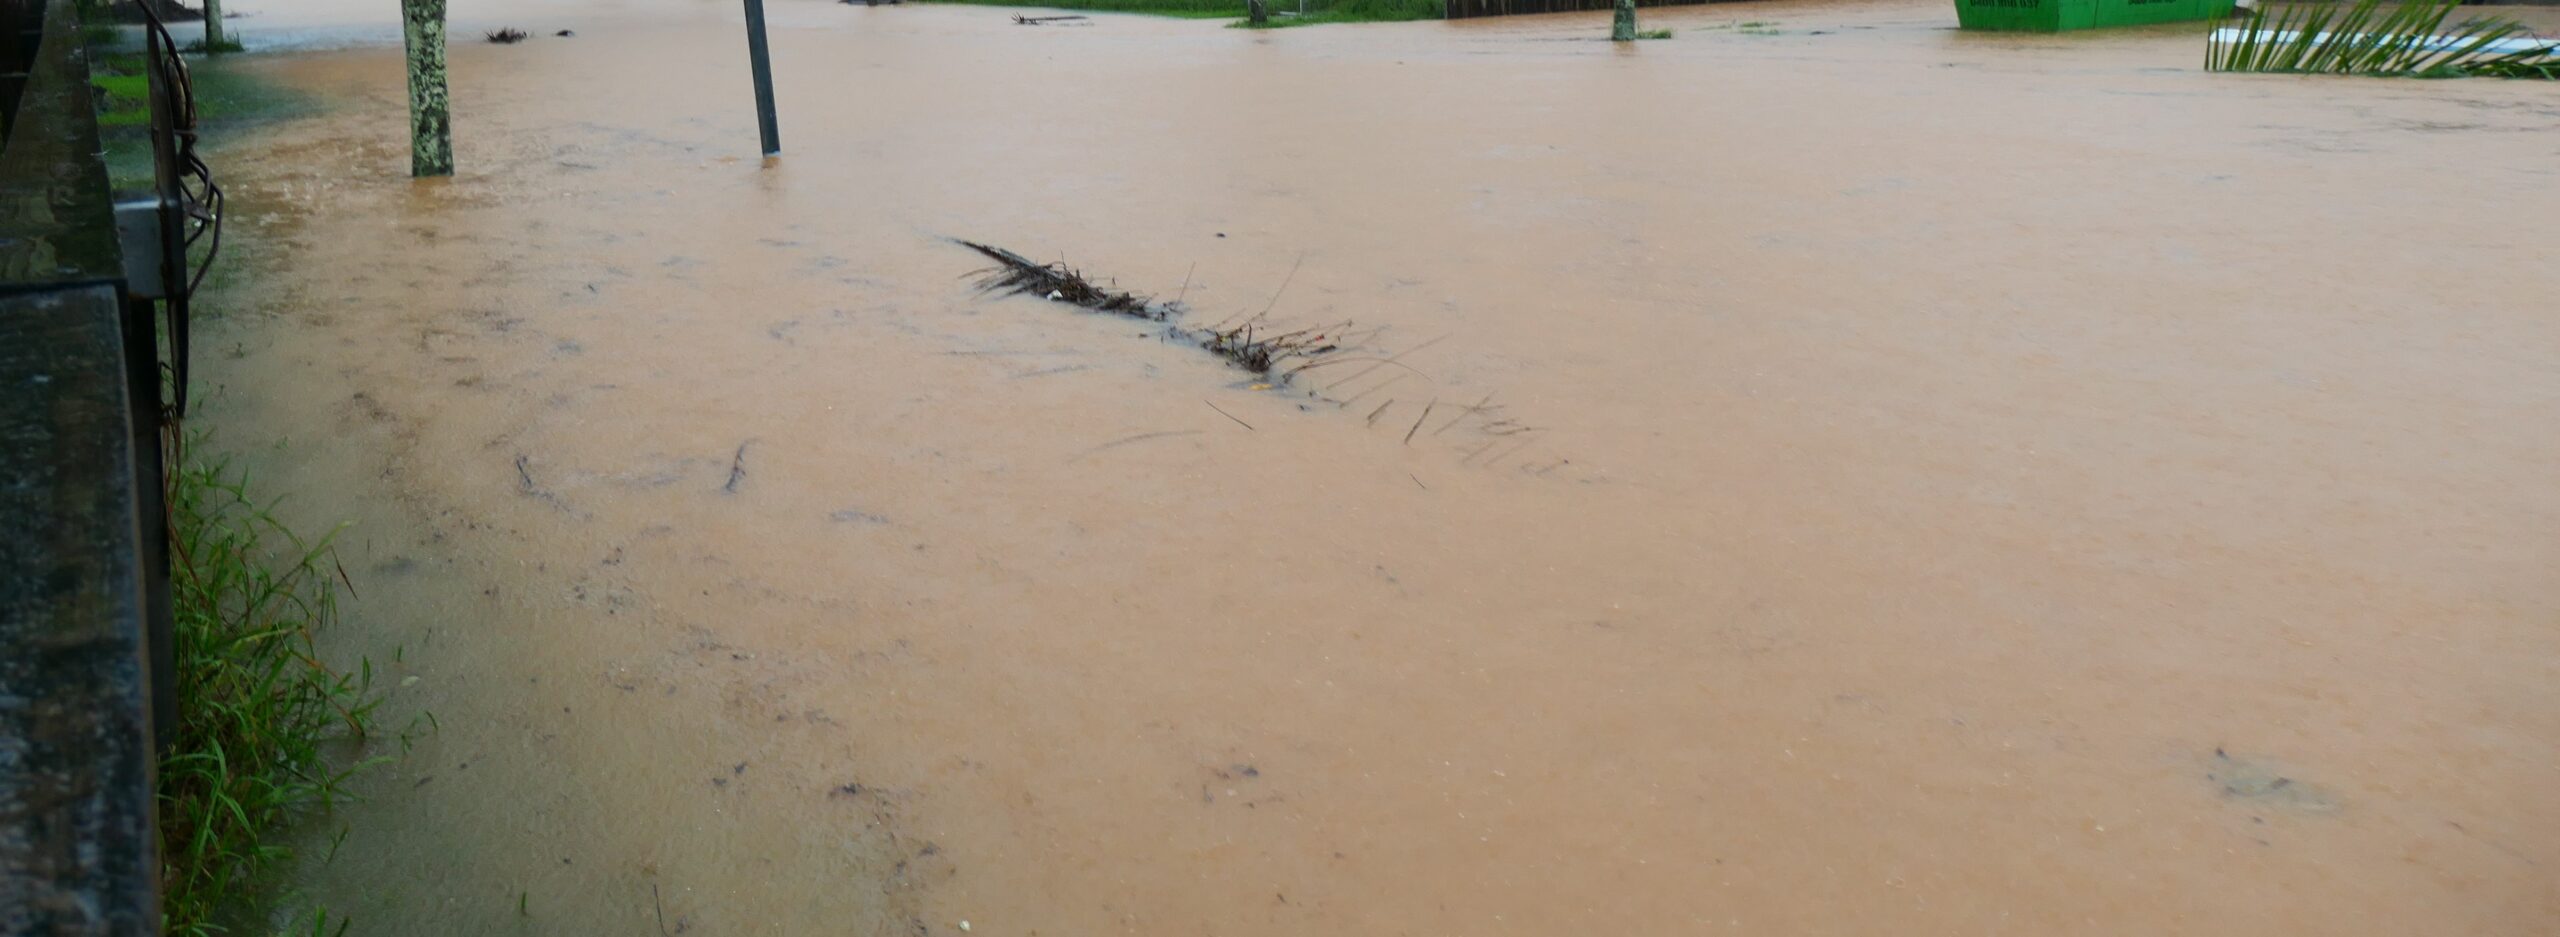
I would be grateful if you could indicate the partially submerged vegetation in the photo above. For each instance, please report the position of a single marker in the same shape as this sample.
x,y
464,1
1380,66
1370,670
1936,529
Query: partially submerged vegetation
x,y
224,93
258,710
266,729
2411,41
1191,9
1249,344
1283,12
1353,11
1015,274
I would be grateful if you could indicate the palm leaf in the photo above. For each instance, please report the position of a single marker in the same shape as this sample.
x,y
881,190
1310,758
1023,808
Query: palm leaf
x,y
2409,40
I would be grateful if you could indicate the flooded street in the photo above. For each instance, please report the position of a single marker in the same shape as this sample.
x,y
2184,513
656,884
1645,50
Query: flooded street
x,y
1970,484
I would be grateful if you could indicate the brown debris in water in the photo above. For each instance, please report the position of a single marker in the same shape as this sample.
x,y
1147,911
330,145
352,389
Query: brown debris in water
x,y
1253,351
1014,274
737,469
507,36
1248,345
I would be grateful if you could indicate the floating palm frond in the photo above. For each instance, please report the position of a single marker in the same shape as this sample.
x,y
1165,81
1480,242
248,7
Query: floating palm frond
x,y
1015,273
1249,345
2410,41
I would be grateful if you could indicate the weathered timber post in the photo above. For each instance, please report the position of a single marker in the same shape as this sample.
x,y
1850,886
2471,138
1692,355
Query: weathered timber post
x,y
1259,15
1622,28
430,108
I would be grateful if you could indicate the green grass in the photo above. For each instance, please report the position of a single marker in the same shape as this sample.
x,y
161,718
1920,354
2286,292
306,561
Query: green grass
x,y
229,97
127,101
1653,34
259,713
1189,9
1356,11
1283,12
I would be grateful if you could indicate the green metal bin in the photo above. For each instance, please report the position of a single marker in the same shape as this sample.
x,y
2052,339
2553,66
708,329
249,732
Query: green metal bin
x,y
2053,16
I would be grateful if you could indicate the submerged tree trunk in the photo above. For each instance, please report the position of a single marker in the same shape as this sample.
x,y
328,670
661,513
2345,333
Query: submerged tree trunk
x,y
212,26
1622,28
1261,15
430,113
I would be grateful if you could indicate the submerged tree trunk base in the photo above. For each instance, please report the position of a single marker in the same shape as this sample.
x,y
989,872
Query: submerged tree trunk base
x,y
430,110
1622,27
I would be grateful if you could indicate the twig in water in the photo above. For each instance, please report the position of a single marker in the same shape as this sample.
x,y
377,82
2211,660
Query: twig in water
x,y
1417,481
1231,416
524,477
1470,411
1284,283
1141,437
1382,408
1383,362
662,908
1355,398
1505,454
737,469
1417,421
1186,283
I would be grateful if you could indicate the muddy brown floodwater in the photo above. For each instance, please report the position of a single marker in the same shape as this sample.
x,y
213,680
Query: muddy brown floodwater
x,y
1973,485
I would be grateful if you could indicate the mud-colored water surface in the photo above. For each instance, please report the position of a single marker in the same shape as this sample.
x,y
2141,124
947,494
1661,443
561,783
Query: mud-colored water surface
x,y
1952,485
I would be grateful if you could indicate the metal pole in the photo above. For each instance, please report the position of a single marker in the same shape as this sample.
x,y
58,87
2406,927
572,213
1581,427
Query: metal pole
x,y
142,367
762,63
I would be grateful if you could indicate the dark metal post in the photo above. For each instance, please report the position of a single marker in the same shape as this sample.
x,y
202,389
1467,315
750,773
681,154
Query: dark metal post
x,y
142,358
762,63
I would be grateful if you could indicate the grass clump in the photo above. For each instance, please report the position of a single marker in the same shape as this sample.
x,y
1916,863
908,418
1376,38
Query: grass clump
x,y
258,711
225,94
1317,12
1653,34
124,100
1283,12
2410,41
